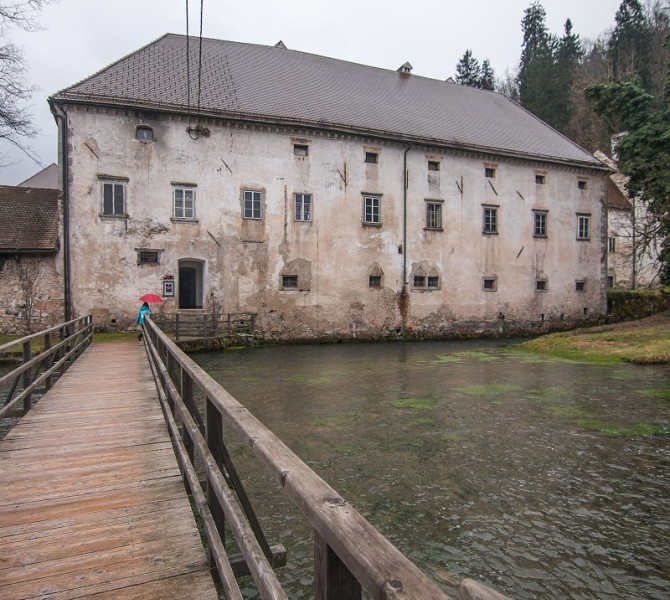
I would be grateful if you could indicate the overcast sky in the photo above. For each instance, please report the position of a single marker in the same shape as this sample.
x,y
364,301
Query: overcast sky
x,y
81,37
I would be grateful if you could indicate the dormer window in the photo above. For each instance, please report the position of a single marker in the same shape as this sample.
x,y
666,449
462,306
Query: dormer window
x,y
144,133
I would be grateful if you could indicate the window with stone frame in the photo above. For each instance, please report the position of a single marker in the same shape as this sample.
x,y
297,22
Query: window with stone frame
x,y
583,227
113,202
303,207
253,205
540,223
434,215
183,202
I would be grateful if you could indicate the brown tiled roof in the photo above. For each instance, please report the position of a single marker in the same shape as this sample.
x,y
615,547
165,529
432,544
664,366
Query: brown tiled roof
x,y
617,193
29,218
277,85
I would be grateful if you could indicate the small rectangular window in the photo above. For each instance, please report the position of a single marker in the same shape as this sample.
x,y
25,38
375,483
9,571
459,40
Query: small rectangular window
x,y
289,281
183,203
539,179
489,172
113,198
582,184
372,210
419,281
300,149
375,281
433,165
540,285
490,284
148,257
253,205
433,282
303,207
372,158
580,285
144,133
583,223
611,244
490,219
539,223
433,215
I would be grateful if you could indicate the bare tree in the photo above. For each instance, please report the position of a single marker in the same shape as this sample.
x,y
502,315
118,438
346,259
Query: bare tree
x,y
15,93
28,271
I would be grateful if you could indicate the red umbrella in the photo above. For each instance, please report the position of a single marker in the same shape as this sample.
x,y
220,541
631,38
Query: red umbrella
x,y
151,298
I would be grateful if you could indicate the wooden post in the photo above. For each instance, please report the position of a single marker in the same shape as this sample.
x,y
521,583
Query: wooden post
x,y
27,375
48,361
215,445
332,579
187,398
176,326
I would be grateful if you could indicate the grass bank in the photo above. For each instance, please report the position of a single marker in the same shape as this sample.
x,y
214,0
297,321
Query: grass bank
x,y
646,341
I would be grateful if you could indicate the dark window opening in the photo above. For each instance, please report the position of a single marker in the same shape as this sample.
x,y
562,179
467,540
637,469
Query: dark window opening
x,y
372,158
419,281
582,185
539,179
113,198
300,149
289,281
148,257
375,281
540,285
489,172
580,286
490,284
144,133
433,165
433,282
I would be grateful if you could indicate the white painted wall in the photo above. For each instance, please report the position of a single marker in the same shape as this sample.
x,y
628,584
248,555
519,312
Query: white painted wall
x,y
244,260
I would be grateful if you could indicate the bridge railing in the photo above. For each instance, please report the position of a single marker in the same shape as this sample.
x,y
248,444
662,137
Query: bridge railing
x,y
61,345
203,324
350,555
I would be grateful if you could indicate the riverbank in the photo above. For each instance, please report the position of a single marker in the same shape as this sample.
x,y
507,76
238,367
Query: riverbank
x,y
645,341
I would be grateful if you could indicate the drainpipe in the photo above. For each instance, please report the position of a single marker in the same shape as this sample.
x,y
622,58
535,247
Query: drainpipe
x,y
61,117
404,219
404,295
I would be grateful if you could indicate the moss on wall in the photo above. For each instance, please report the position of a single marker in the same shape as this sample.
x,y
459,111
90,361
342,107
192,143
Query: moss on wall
x,y
628,305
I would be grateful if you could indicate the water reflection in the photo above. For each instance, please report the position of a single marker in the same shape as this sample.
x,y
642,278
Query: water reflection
x,y
543,478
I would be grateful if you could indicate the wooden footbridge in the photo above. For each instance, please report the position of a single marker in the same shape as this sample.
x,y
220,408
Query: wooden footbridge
x,y
99,479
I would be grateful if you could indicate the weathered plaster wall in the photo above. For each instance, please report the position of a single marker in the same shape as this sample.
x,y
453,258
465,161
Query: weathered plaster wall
x,y
30,280
334,254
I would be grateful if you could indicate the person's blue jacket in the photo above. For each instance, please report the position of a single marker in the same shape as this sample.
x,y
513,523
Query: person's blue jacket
x,y
144,310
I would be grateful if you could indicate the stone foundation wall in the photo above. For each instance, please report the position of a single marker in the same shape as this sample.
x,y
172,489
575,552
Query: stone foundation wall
x,y
31,295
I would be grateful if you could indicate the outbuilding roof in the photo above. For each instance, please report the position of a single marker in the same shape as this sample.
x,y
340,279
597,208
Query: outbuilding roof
x,y
273,84
29,218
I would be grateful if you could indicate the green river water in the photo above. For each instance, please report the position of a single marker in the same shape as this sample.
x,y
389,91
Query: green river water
x,y
542,478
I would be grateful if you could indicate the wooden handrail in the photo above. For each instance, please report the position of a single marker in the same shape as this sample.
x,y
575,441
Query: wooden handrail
x,y
345,543
75,336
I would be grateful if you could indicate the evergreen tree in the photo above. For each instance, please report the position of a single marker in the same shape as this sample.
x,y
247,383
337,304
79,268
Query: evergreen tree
x,y
467,70
535,78
568,56
630,44
643,152
486,76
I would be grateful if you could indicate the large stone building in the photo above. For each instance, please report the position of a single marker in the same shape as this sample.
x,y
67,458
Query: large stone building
x,y
332,199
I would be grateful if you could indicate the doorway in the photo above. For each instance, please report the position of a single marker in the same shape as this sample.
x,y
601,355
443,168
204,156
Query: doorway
x,y
190,283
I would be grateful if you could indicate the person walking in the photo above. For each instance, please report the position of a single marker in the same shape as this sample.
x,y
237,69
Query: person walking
x,y
143,312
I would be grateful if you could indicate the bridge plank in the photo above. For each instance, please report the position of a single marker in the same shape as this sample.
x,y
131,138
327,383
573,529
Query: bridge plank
x,y
92,502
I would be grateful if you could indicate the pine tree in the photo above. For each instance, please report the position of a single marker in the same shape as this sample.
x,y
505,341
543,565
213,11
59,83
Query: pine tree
x,y
486,76
467,70
630,44
568,56
536,67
